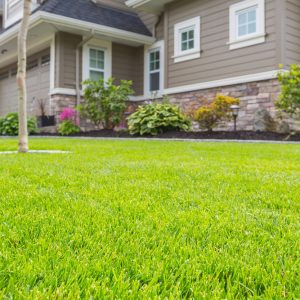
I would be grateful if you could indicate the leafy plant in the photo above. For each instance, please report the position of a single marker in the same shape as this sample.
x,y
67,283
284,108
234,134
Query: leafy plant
x,y
9,125
105,102
155,118
68,127
69,123
210,115
289,99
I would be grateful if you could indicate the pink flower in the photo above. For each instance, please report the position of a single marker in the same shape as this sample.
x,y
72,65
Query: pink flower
x,y
68,114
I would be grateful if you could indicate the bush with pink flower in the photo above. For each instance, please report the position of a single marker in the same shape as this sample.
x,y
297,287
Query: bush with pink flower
x,y
69,124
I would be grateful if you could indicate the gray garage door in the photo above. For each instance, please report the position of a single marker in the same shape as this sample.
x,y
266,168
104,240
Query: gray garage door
x,y
38,85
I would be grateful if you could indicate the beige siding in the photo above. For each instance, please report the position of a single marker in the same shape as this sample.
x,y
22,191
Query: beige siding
x,y
159,30
65,59
127,64
292,37
38,85
217,61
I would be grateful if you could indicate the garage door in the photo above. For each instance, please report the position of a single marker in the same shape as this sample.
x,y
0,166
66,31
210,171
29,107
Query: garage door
x,y
38,85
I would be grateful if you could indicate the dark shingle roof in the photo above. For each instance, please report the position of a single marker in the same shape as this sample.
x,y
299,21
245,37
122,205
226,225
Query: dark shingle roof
x,y
86,10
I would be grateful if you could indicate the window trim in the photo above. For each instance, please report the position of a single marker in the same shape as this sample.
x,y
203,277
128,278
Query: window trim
x,y
154,50
184,55
105,46
9,20
259,37
158,45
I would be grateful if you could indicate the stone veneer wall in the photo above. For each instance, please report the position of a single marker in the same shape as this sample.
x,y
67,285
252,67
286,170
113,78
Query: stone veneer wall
x,y
253,96
60,102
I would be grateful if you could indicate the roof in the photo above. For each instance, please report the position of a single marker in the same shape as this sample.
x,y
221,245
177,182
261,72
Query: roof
x,y
86,10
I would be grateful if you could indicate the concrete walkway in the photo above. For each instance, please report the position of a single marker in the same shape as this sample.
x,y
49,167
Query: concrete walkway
x,y
37,152
163,140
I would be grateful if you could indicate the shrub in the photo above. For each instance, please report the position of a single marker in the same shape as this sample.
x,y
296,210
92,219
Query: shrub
x,y
289,99
69,123
156,118
210,115
9,125
68,127
105,103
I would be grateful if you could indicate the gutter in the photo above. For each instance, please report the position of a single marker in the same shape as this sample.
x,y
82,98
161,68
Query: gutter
x,y
46,17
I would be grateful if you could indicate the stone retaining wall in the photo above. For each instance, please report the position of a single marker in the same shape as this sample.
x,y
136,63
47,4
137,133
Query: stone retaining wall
x,y
254,98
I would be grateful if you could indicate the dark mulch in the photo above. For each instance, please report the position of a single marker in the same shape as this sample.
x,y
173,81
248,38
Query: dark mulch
x,y
219,135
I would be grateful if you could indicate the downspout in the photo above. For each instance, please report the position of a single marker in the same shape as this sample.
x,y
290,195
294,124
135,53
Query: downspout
x,y
158,19
78,47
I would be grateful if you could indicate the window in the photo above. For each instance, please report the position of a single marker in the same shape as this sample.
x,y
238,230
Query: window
x,y
13,11
45,60
187,40
97,60
11,3
97,63
154,69
247,23
32,63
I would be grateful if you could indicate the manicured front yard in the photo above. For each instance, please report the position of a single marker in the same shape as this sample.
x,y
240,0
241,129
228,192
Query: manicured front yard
x,y
150,219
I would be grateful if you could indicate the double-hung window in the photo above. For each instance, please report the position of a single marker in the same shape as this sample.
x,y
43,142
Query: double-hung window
x,y
97,60
247,23
96,64
187,40
154,69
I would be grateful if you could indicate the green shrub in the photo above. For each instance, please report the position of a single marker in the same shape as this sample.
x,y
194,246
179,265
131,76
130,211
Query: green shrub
x,y
289,99
68,127
9,125
210,115
156,118
105,103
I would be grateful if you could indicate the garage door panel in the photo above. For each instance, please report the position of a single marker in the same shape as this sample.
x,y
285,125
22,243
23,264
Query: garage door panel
x,y
38,86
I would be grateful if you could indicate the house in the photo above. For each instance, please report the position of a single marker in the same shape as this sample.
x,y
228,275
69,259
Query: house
x,y
186,49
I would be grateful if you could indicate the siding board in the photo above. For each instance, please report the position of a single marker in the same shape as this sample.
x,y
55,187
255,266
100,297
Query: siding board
x,y
127,64
292,37
217,61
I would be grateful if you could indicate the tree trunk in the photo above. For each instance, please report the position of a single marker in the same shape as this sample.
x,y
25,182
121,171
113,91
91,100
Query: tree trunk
x,y
21,77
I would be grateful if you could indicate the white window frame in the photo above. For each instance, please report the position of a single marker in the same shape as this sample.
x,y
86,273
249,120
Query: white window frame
x,y
98,70
236,42
184,55
8,21
160,45
105,46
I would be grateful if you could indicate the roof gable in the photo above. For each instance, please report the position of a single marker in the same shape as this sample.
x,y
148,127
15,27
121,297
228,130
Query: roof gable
x,y
87,10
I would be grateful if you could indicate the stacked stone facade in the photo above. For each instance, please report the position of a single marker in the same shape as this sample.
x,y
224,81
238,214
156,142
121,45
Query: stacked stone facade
x,y
254,96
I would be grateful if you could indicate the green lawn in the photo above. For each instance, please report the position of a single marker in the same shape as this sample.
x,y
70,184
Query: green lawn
x,y
150,220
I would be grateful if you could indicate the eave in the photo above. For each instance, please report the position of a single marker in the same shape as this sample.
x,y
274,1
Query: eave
x,y
73,24
153,6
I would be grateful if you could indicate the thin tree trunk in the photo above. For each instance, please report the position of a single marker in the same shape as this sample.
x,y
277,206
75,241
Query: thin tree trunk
x,y
21,77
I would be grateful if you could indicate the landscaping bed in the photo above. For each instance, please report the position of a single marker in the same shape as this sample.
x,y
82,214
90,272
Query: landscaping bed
x,y
219,135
